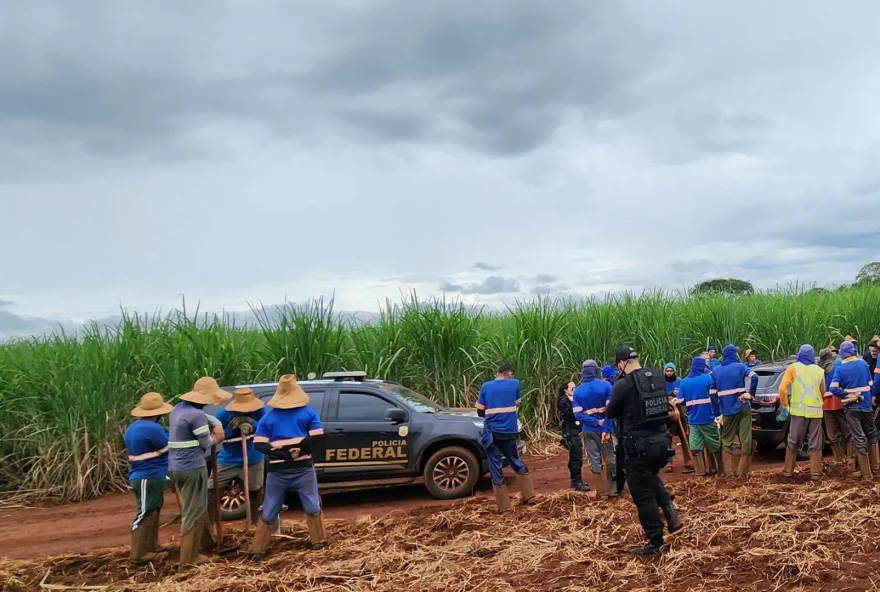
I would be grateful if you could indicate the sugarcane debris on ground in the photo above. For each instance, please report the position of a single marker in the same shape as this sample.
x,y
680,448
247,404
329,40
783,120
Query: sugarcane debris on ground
x,y
767,533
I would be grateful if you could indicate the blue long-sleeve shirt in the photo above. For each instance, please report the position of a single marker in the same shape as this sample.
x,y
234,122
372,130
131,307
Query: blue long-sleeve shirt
x,y
231,455
146,443
699,395
730,380
853,376
589,402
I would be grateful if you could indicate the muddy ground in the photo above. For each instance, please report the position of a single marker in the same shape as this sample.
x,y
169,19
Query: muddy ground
x,y
104,522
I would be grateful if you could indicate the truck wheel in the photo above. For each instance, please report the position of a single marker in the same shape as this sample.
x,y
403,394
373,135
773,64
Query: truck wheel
x,y
232,501
451,473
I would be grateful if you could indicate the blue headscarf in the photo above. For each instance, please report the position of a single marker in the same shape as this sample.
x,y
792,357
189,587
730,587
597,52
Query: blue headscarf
x,y
806,354
847,350
589,370
698,367
670,365
728,355
608,372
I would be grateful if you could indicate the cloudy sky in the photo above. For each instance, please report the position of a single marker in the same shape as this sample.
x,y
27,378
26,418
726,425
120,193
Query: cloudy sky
x,y
273,150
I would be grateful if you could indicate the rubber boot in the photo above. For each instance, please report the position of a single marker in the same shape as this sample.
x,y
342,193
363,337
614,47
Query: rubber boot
x,y
687,456
613,490
145,541
718,460
851,449
673,521
874,458
837,451
502,498
526,488
745,462
815,465
790,460
728,464
256,502
260,543
700,464
189,544
206,540
317,533
600,481
864,466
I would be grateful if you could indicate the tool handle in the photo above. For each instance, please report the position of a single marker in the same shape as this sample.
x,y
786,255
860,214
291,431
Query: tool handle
x,y
247,484
218,518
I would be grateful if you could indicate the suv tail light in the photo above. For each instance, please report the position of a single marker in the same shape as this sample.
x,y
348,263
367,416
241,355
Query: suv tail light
x,y
767,400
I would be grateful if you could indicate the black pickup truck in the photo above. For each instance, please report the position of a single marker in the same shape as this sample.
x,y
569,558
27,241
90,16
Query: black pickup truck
x,y
381,434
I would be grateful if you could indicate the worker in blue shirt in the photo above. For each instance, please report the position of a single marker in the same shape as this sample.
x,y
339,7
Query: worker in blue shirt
x,y
713,360
751,358
239,419
588,403
497,403
286,435
698,394
146,443
608,373
852,382
736,409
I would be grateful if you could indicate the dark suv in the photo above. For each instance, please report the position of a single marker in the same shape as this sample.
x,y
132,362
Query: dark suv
x,y
767,431
380,434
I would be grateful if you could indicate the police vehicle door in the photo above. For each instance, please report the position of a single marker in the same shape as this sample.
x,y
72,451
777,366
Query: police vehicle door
x,y
361,443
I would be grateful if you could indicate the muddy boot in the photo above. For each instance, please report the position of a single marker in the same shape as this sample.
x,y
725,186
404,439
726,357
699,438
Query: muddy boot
x,y
145,541
728,465
526,488
837,451
815,465
189,545
260,543
256,502
745,462
790,461
851,451
864,466
600,483
874,458
206,540
700,464
502,498
673,521
718,463
317,533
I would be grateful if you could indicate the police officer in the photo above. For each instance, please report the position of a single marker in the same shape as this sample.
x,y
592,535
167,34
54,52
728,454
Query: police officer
x,y
571,436
639,404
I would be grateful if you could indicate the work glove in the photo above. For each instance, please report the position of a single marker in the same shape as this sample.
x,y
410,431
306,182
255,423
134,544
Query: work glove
x,y
239,421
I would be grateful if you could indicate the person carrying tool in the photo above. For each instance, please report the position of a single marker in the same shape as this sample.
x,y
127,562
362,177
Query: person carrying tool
x,y
807,383
677,417
698,394
497,403
736,410
571,436
589,402
146,443
852,382
189,437
640,405
239,419
833,413
286,435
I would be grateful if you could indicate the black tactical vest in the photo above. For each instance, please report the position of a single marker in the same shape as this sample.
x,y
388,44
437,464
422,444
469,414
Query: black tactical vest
x,y
650,411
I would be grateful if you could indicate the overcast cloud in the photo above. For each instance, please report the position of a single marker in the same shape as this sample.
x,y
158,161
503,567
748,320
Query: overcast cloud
x,y
278,150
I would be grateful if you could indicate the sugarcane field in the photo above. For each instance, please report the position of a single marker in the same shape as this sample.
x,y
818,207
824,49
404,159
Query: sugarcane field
x,y
462,296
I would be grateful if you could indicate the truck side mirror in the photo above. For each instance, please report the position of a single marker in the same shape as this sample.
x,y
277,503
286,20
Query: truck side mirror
x,y
395,415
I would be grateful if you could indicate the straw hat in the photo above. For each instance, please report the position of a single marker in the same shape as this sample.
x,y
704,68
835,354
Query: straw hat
x,y
850,339
749,352
289,394
206,391
151,406
245,401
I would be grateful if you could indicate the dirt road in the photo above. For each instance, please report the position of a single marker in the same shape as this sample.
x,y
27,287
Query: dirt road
x,y
104,522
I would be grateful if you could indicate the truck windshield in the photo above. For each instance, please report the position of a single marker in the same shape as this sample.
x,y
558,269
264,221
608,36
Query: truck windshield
x,y
412,399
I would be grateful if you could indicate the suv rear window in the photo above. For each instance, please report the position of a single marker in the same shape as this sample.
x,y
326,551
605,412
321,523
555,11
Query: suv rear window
x,y
767,379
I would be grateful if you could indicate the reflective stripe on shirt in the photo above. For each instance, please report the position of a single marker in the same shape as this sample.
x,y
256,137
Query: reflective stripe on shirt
x,y
577,409
595,411
499,410
202,430
184,444
147,455
733,391
860,389
698,402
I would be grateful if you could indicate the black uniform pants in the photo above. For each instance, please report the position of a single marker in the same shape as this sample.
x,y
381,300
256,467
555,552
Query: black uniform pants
x,y
647,488
575,456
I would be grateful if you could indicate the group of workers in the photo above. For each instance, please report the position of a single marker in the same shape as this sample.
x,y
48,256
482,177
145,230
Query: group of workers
x,y
277,441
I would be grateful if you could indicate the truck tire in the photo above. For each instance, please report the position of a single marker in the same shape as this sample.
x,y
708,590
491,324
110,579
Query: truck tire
x,y
451,473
